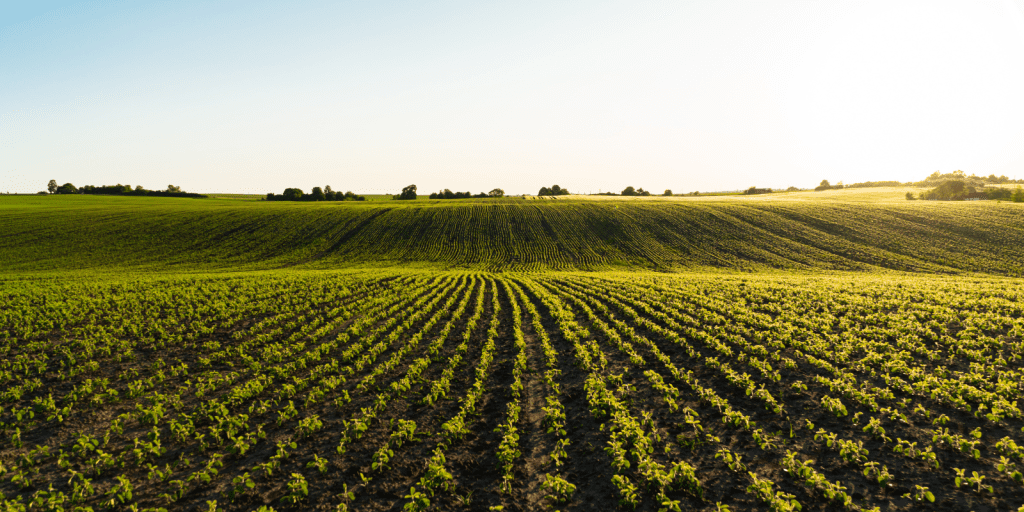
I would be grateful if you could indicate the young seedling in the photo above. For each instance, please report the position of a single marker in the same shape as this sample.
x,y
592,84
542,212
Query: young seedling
x,y
418,501
920,493
960,479
298,489
560,490
976,479
731,459
319,463
882,475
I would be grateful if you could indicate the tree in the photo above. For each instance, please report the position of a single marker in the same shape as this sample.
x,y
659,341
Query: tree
x,y
52,186
824,186
317,194
408,193
910,196
67,188
629,191
555,190
172,188
1018,195
667,192
292,194
497,193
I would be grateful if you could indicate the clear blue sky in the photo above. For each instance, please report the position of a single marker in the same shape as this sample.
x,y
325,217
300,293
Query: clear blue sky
x,y
250,96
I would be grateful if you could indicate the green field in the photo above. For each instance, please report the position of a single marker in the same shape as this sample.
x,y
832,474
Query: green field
x,y
844,350
799,232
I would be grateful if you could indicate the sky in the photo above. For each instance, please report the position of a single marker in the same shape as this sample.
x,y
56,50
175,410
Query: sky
x,y
371,96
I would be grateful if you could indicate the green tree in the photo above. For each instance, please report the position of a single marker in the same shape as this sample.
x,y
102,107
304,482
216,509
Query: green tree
x,y
667,192
629,191
52,186
67,188
497,193
408,193
317,194
1018,195
292,194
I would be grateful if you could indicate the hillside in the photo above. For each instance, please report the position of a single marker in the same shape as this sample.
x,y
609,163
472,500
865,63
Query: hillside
x,y
797,232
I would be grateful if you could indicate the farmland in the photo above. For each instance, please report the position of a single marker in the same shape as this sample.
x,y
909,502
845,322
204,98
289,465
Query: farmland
x,y
785,355
793,233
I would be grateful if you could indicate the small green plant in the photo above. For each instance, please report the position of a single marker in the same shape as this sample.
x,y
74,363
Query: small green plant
x,y
240,484
418,501
960,479
1009,468
298,489
628,493
731,459
920,494
120,493
834,406
319,463
976,479
881,475
560,490
436,477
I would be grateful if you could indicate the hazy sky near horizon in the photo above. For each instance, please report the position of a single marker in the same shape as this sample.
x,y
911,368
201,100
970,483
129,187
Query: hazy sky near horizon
x,y
252,96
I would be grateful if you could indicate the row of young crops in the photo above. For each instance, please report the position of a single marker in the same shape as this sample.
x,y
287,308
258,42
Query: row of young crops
x,y
510,235
386,390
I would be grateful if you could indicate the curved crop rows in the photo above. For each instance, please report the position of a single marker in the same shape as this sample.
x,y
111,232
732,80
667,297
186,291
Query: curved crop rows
x,y
511,235
377,390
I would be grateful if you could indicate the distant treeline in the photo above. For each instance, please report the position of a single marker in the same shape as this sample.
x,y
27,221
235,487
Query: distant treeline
x,y
936,179
118,190
409,193
318,194
553,191
958,190
630,191
448,194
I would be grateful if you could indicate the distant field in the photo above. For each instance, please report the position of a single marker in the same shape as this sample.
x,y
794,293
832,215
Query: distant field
x,y
856,230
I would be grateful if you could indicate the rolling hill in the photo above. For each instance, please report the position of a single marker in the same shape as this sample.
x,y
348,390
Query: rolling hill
x,y
750,234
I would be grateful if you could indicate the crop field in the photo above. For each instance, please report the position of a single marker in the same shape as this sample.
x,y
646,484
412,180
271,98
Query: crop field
x,y
85,233
449,390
